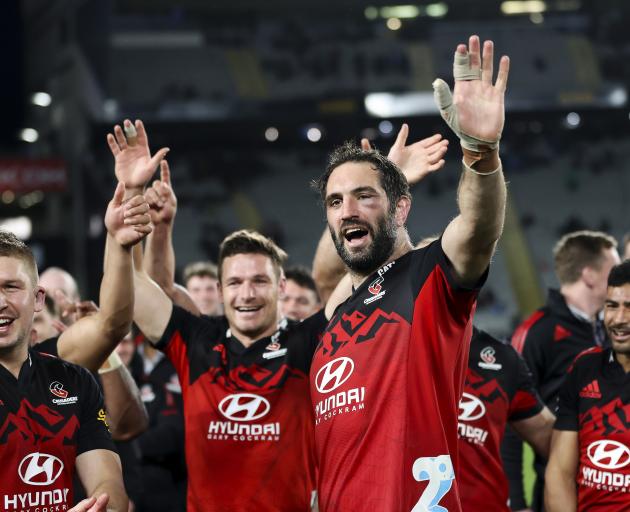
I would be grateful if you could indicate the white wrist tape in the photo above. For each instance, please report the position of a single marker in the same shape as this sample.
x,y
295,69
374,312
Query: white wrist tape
x,y
113,361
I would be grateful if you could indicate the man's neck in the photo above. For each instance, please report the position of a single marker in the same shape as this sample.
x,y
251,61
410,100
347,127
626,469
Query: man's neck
x,y
13,358
247,340
402,247
580,297
624,361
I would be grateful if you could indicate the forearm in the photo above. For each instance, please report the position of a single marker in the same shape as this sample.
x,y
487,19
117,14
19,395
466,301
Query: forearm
x,y
328,269
481,198
560,490
512,456
159,256
126,413
115,489
116,293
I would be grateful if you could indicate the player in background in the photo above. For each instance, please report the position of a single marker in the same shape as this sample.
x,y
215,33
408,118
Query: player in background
x,y
499,389
589,466
381,444
300,299
552,336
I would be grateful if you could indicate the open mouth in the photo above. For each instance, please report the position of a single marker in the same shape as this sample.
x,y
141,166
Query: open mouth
x,y
620,333
5,324
355,235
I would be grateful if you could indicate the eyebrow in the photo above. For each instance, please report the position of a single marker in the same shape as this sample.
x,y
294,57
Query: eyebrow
x,y
354,191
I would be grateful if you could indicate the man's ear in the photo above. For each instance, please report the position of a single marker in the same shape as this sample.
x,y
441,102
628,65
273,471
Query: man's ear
x,y
40,295
402,211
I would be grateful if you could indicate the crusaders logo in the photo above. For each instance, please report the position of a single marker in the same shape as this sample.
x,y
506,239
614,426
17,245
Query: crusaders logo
x,y
56,388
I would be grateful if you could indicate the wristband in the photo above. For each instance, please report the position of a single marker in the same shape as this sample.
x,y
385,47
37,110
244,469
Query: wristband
x,y
113,363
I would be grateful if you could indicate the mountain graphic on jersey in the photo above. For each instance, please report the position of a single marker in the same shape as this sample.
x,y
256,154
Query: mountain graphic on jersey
x,y
35,425
253,377
357,328
612,418
489,390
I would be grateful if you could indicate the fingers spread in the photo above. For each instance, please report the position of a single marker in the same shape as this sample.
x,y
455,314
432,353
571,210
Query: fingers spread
x,y
474,51
143,140
487,64
130,133
502,76
120,137
113,145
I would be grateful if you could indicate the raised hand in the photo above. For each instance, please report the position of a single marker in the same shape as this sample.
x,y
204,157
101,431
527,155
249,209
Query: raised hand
x,y
70,311
418,159
161,197
134,164
475,111
127,221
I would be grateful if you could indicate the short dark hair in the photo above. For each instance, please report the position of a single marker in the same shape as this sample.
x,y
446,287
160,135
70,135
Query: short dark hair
x,y
391,177
302,277
12,247
251,242
577,250
200,269
620,274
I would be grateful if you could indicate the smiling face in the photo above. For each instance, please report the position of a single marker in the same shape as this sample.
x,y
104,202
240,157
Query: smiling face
x,y
359,217
617,318
20,298
249,289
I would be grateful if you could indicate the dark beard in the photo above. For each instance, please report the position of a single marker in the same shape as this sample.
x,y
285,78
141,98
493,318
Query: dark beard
x,y
374,256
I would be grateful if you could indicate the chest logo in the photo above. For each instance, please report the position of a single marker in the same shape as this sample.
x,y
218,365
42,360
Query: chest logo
x,y
334,374
470,408
40,469
244,407
376,289
56,388
608,454
488,361
591,390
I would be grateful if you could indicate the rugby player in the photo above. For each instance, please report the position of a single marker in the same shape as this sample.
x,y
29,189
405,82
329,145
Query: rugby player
x,y
589,465
388,374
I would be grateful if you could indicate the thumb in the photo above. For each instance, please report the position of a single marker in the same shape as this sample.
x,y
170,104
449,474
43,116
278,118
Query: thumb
x,y
165,172
158,157
442,94
119,194
401,138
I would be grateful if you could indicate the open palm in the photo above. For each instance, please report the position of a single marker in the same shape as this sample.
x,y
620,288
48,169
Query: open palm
x,y
134,164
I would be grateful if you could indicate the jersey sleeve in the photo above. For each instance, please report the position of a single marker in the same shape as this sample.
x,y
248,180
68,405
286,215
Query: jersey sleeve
x,y
311,330
182,331
525,403
567,410
93,430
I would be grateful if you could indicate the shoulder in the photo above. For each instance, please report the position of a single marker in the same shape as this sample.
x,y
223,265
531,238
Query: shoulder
x,y
534,329
588,359
491,348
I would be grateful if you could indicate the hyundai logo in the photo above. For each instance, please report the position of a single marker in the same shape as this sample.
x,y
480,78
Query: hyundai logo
x,y
608,454
244,407
470,408
40,469
334,374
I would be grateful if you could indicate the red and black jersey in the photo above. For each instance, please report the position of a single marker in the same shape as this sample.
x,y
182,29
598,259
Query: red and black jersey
x,y
499,388
595,402
385,385
249,425
549,340
49,415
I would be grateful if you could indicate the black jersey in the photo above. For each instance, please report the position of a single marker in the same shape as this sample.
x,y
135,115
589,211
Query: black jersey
x,y
595,402
499,388
49,415
249,425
